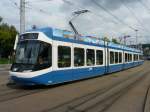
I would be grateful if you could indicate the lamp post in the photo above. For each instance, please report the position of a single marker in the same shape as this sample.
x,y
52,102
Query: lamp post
x,y
76,14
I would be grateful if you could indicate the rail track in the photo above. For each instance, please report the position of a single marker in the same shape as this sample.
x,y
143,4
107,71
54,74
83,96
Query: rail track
x,y
97,101
146,104
12,91
102,99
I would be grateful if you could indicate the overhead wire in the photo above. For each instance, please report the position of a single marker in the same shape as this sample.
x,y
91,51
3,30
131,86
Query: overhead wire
x,y
134,16
111,14
144,5
100,16
15,4
38,1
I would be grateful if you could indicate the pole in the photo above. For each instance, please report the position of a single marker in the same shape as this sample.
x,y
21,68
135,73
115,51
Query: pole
x,y
22,16
76,14
136,31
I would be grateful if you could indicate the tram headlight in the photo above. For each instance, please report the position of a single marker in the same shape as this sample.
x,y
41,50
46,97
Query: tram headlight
x,y
14,69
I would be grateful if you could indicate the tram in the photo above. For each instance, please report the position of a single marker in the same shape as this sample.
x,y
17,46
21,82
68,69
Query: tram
x,y
49,56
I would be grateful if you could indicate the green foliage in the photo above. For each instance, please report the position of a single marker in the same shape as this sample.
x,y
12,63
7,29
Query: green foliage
x,y
115,41
106,39
5,61
1,19
7,39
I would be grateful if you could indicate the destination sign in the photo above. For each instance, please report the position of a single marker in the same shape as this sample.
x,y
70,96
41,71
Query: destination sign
x,y
28,36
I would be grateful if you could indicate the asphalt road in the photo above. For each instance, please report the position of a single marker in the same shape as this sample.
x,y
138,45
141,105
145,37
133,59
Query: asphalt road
x,y
125,91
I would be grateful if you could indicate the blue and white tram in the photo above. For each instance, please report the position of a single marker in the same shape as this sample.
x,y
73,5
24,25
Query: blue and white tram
x,y
50,56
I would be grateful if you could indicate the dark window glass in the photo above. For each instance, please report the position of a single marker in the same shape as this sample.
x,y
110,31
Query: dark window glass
x,y
141,57
99,57
27,52
45,55
135,57
126,57
33,55
120,57
90,57
64,56
29,36
78,57
116,57
112,57
130,57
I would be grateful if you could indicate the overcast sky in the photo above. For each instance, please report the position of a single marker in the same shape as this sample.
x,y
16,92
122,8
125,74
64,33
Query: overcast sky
x,y
121,18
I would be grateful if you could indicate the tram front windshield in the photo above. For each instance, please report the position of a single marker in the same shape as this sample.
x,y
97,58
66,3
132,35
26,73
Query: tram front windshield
x,y
32,55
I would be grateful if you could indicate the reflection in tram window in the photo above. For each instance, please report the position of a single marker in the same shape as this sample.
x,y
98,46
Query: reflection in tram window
x,y
90,54
78,57
33,55
64,56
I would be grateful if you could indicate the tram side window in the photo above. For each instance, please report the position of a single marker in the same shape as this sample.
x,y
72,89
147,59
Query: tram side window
x,y
137,57
131,57
134,57
45,56
99,57
64,56
112,57
141,57
116,57
120,57
126,57
90,57
78,57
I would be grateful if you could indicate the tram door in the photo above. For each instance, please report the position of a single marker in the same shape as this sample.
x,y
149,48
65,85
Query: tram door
x,y
106,57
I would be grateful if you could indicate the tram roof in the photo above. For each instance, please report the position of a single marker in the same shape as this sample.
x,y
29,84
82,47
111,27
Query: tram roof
x,y
68,35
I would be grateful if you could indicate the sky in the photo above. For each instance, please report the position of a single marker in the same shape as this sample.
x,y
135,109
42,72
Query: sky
x,y
111,18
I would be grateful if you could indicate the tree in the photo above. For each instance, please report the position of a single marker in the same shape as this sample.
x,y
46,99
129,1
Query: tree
x,y
115,41
7,39
106,39
1,19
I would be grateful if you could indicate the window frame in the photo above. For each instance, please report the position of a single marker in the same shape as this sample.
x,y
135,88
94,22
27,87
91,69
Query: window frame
x,y
126,57
120,56
110,57
74,56
116,54
58,56
101,58
87,58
